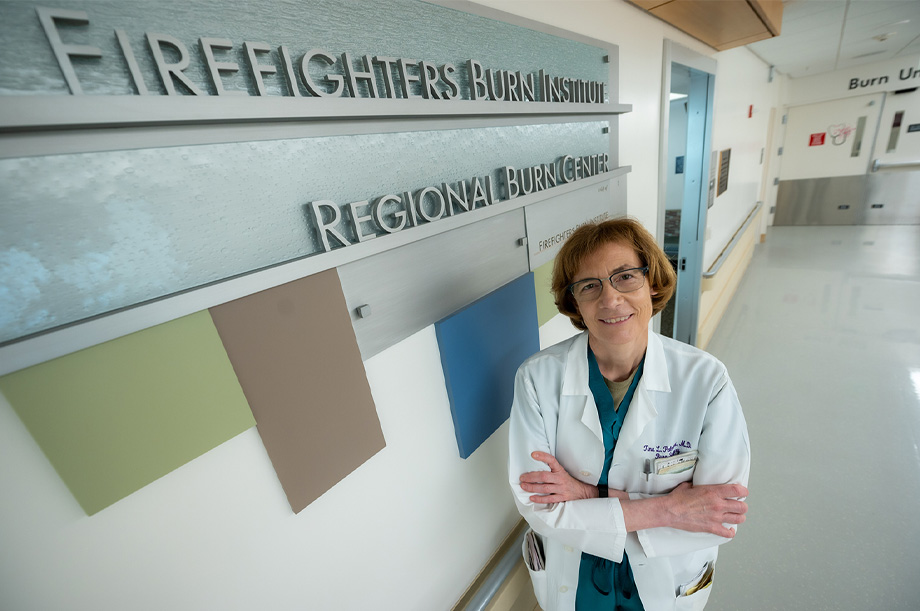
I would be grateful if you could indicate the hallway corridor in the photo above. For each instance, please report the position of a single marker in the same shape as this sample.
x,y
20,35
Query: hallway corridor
x,y
822,341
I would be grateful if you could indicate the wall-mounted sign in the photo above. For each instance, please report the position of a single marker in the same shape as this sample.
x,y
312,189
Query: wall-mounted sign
x,y
816,139
724,160
302,70
391,213
345,122
551,222
839,133
913,127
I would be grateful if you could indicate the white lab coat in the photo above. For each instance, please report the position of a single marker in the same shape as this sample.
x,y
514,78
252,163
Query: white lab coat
x,y
684,398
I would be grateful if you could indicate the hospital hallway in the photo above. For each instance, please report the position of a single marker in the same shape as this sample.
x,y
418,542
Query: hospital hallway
x,y
822,342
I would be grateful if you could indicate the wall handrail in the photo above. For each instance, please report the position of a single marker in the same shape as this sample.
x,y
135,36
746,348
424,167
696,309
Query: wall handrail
x,y
489,588
904,165
727,251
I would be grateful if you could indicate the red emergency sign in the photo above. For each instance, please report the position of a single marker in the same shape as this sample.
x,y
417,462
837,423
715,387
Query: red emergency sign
x,y
816,139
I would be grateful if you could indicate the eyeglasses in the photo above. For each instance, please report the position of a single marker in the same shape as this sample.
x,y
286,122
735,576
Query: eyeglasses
x,y
626,281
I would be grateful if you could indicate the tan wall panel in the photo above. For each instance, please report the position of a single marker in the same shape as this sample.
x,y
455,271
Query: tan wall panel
x,y
295,354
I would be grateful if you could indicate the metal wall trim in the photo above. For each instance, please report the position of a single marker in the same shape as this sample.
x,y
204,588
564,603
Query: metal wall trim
x,y
53,142
20,113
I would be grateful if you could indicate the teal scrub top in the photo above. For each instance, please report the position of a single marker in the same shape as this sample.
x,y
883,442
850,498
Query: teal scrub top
x,y
604,585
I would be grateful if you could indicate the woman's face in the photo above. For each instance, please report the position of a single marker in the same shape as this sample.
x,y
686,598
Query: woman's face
x,y
614,318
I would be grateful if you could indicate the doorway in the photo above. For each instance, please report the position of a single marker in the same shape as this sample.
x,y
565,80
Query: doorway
x,y
686,190
851,161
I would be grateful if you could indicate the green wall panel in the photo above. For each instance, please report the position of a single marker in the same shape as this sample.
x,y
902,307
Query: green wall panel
x,y
117,416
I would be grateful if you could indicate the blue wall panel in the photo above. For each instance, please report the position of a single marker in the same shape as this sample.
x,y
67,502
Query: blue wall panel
x,y
482,346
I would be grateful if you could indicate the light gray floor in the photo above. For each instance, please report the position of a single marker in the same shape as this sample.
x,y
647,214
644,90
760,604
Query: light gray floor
x,y
822,342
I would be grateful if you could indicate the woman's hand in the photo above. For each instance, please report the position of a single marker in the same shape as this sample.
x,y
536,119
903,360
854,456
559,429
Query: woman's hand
x,y
555,485
706,508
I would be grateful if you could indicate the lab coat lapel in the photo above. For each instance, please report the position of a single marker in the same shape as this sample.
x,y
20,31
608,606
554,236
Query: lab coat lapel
x,y
654,379
575,389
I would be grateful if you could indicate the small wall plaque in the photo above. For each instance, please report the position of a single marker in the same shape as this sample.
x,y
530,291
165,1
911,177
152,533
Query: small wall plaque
x,y
724,159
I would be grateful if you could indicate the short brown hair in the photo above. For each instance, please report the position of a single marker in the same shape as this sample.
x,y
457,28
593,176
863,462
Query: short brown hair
x,y
587,239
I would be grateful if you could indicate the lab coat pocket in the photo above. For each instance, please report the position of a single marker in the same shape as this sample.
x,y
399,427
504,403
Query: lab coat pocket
x,y
535,561
693,595
662,484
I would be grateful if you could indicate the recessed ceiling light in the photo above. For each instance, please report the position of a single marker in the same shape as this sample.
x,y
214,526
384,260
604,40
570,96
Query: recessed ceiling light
x,y
868,54
888,25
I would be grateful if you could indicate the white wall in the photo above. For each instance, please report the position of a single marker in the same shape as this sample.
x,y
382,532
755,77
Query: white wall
x,y
775,140
742,80
409,529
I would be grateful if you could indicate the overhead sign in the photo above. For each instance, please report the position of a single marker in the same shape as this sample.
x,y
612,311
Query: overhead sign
x,y
890,75
905,74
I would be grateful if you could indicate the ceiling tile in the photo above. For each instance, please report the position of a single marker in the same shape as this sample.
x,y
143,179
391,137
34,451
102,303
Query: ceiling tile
x,y
814,38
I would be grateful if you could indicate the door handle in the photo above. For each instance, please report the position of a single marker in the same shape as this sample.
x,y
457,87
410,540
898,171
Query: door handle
x,y
683,264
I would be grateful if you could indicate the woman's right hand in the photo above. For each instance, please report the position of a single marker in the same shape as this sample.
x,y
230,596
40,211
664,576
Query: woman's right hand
x,y
555,485
703,508
706,508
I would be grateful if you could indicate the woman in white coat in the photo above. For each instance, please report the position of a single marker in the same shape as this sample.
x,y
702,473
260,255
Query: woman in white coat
x,y
629,454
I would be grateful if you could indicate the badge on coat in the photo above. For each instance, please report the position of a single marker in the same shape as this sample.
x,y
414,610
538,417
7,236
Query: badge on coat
x,y
675,464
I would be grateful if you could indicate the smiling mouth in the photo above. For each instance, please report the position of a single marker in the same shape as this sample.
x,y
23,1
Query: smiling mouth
x,y
614,321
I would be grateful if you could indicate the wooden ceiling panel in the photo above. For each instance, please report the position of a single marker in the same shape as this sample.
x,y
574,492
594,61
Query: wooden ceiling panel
x,y
721,25
732,20
649,4
771,13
